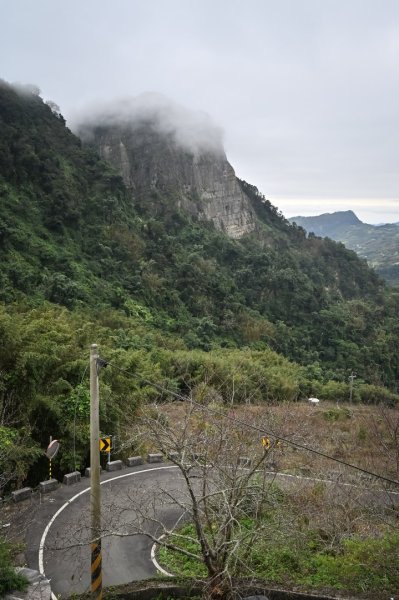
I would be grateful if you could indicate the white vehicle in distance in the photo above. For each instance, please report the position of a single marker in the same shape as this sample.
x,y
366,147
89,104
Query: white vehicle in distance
x,y
313,401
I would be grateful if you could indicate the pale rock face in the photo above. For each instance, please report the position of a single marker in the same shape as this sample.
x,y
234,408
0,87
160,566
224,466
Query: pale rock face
x,y
200,182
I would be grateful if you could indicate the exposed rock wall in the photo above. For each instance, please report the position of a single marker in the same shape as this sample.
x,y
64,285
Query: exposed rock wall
x,y
200,182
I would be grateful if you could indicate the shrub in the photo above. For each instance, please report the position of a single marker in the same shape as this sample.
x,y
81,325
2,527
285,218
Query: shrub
x,y
336,414
9,579
334,390
372,394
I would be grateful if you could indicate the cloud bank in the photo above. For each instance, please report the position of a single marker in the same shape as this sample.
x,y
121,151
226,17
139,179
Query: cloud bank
x,y
192,130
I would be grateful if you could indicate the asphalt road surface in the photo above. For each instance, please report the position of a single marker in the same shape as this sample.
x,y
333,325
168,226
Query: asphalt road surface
x,y
132,501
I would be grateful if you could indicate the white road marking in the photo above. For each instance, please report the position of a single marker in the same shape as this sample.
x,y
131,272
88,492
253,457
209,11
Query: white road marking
x,y
153,559
64,506
156,563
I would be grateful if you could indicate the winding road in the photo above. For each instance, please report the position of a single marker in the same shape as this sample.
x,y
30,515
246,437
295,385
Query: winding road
x,y
134,501
58,536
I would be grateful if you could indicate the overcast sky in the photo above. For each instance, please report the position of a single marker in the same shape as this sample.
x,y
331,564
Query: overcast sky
x,y
306,91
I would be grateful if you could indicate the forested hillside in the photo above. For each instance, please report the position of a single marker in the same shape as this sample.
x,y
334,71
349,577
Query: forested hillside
x,y
165,294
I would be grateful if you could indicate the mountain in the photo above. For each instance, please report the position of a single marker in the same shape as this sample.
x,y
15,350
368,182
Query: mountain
x,y
379,245
140,238
77,233
328,224
156,153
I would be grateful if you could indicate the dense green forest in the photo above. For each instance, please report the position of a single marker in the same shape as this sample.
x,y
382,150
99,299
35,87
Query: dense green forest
x,y
273,316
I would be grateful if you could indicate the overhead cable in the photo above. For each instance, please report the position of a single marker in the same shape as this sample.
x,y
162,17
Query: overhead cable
x,y
241,422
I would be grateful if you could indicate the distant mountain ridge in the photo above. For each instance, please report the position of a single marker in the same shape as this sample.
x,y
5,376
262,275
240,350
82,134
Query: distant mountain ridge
x,y
378,244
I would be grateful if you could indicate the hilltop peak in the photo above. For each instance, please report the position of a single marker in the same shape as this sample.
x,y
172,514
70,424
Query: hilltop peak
x,y
340,217
192,130
161,148
377,244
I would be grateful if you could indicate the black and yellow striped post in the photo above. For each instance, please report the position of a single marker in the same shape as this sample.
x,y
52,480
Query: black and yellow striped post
x,y
96,570
95,489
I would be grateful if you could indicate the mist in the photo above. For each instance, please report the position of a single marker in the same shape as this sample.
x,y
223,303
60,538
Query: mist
x,y
24,89
192,130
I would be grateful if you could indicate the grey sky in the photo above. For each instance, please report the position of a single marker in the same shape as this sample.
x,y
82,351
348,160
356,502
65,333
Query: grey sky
x,y
306,91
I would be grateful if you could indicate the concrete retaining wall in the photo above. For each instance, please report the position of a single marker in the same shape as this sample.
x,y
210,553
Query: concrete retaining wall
x,y
71,478
173,456
87,471
155,458
45,487
162,591
114,465
134,461
22,494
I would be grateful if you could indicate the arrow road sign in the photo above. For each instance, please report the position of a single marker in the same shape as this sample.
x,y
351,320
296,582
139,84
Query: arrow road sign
x,y
266,442
105,444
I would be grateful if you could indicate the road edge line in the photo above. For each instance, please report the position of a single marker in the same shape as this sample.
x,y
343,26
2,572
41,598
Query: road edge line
x,y
64,506
156,563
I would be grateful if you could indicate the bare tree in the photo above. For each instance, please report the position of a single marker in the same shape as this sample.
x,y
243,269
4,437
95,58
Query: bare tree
x,y
222,483
224,493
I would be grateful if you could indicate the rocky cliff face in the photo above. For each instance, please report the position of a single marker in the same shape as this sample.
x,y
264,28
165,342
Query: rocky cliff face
x,y
199,181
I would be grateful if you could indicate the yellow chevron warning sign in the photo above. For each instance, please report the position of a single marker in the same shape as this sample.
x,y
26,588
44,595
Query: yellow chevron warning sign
x,y
266,442
105,444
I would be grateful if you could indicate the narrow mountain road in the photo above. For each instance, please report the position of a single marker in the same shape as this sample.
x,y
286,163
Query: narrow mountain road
x,y
58,538
133,502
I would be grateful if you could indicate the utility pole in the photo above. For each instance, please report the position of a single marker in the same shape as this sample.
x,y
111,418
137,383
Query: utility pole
x,y
95,490
351,378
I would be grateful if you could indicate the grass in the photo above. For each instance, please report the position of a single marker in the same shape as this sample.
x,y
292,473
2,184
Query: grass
x,y
179,564
359,434
306,547
314,535
361,565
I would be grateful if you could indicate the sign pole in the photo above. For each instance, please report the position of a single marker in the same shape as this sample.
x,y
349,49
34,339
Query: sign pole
x,y
95,490
51,452
51,439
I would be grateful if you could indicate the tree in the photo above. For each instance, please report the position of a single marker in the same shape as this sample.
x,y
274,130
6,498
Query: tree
x,y
228,516
17,453
55,109
224,494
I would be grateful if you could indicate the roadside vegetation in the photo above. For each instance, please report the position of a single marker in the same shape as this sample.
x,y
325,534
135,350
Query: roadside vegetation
x,y
44,383
298,552
9,579
287,516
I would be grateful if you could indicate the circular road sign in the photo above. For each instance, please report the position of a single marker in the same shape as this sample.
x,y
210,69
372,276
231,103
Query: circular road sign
x,y
52,449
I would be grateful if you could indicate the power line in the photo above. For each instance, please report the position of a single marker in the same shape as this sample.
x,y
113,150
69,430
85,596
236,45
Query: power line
x,y
235,420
